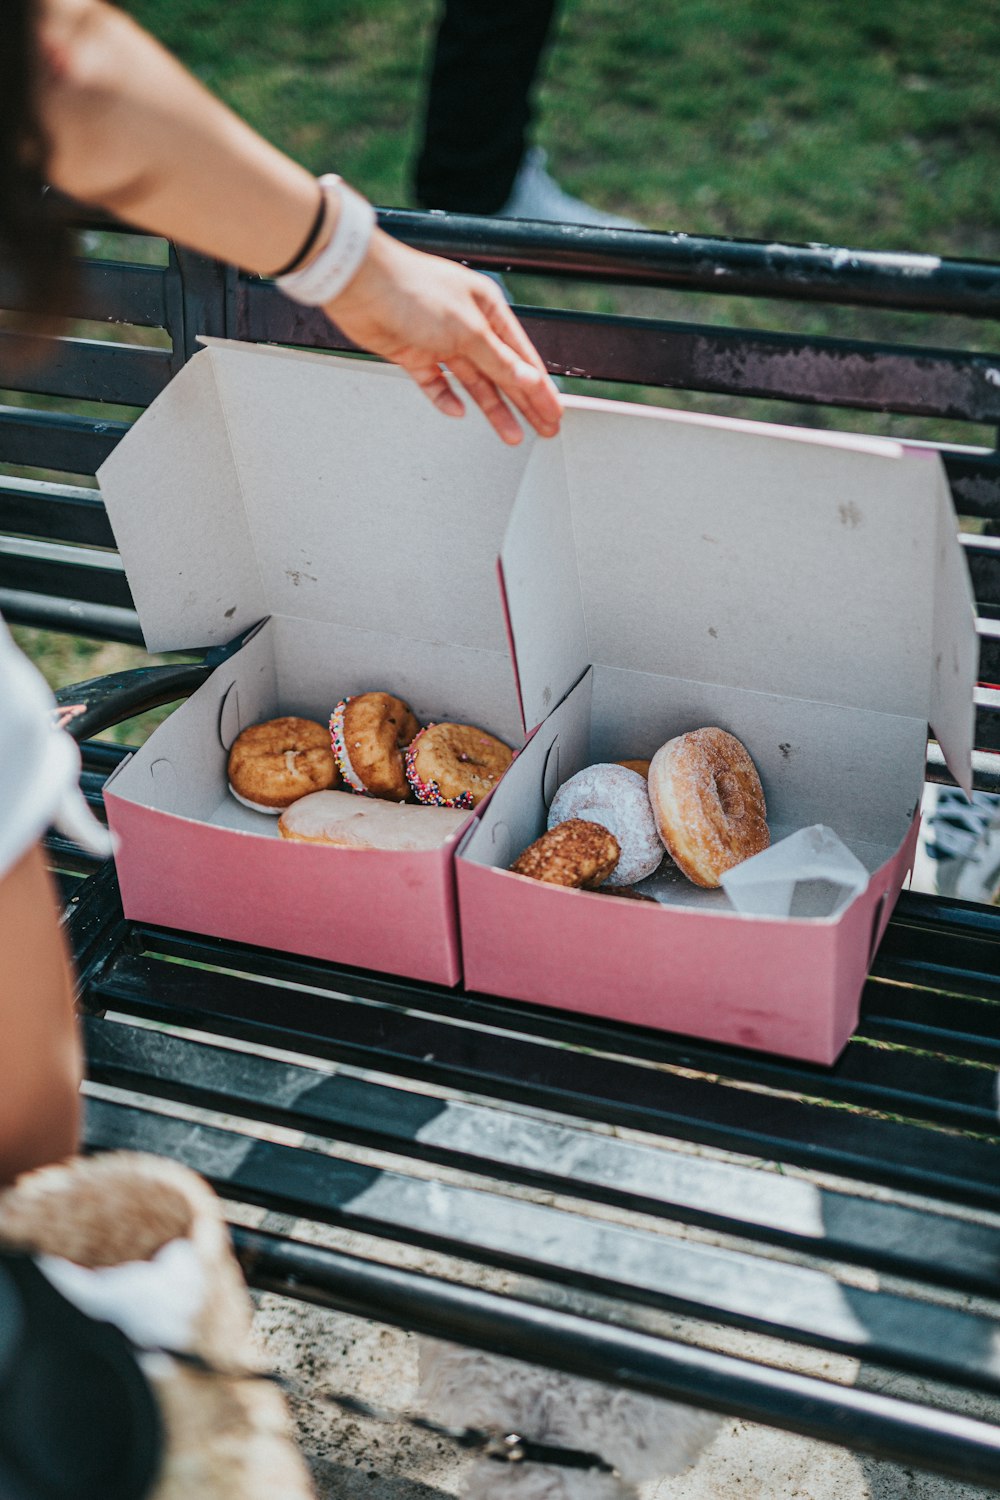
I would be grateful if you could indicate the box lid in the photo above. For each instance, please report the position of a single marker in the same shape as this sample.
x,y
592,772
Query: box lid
x,y
806,564
266,481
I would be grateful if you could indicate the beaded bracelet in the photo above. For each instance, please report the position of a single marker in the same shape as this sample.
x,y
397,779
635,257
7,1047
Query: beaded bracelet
x,y
308,244
329,272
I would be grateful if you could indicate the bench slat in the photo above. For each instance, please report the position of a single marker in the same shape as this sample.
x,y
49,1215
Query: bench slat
x,y
746,268
57,440
515,1067
824,371
975,483
102,622
106,292
91,585
739,1199
88,369
67,513
861,1077
738,1289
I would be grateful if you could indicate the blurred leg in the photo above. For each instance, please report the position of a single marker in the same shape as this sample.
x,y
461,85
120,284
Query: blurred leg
x,y
479,102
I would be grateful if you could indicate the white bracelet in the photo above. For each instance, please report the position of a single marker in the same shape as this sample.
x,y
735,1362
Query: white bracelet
x,y
328,273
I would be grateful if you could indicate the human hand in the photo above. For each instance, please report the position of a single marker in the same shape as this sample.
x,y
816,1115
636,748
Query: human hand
x,y
422,312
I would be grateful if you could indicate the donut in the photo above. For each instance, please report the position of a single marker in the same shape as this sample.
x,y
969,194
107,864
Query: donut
x,y
369,734
577,853
344,820
708,803
273,764
617,799
628,893
455,765
642,766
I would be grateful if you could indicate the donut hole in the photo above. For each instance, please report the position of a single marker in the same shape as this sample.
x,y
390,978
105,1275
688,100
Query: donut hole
x,y
727,789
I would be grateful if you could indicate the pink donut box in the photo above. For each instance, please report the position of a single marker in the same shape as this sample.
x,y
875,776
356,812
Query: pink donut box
x,y
750,578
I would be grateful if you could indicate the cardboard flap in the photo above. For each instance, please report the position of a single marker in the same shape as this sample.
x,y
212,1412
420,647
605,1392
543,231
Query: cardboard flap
x,y
274,482
542,587
175,505
729,552
955,667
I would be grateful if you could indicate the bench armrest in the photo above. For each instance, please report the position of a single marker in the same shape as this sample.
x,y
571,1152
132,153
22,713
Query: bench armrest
x,y
88,708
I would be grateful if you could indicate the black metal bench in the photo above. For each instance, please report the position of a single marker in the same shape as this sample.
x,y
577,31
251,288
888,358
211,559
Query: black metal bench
x,y
773,1196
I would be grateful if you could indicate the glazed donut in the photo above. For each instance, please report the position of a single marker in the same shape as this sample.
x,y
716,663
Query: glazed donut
x,y
369,734
455,765
709,803
617,799
272,764
347,821
577,853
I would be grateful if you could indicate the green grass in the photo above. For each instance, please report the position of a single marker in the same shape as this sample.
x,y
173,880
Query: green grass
x,y
850,124
758,119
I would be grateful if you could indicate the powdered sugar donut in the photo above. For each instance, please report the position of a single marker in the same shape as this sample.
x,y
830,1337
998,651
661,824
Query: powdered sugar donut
x,y
617,799
709,803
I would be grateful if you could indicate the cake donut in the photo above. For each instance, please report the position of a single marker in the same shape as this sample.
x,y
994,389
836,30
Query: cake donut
x,y
616,798
455,765
642,766
708,803
576,853
369,734
273,764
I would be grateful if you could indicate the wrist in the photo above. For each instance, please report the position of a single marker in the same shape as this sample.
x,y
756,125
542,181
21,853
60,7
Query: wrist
x,y
342,245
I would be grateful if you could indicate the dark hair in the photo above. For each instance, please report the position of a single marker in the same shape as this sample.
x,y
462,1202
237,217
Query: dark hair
x,y
34,239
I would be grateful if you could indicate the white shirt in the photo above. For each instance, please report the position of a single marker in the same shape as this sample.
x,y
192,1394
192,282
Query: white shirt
x,y
39,766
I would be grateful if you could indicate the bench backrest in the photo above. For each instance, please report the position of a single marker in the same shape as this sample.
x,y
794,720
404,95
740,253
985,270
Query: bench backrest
x,y
60,417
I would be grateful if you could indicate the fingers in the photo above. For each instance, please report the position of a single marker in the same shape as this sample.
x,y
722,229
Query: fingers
x,y
434,385
488,398
508,362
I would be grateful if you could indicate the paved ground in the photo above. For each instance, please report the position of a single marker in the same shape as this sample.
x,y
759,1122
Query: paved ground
x,y
359,1460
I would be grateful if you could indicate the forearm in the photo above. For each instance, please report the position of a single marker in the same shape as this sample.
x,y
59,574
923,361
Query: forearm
x,y
40,1057
131,131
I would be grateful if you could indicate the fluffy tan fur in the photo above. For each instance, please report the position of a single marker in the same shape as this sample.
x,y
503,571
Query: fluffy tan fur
x,y
227,1438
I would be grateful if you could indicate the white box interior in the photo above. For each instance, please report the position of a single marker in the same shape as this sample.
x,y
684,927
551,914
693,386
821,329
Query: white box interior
x,y
807,566
268,482
852,770
803,591
295,667
327,497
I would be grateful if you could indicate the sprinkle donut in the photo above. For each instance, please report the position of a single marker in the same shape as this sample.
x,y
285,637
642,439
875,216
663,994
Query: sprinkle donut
x,y
272,765
455,765
709,803
368,734
617,798
576,853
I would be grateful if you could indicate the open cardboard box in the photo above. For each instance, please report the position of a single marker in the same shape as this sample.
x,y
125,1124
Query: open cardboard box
x,y
804,591
326,498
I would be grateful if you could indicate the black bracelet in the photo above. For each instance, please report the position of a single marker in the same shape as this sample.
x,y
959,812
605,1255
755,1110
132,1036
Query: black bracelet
x,y
308,243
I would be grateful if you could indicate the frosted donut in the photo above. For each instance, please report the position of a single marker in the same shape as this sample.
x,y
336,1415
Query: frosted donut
x,y
709,803
576,853
369,734
455,765
348,822
272,765
617,798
